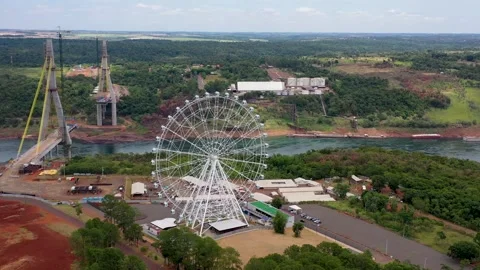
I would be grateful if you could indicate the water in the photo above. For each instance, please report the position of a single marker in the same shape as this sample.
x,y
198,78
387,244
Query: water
x,y
282,145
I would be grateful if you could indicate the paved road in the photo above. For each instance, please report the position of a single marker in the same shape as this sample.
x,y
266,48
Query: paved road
x,y
47,207
360,234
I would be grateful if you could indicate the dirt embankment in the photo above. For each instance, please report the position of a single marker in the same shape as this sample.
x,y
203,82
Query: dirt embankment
x,y
27,240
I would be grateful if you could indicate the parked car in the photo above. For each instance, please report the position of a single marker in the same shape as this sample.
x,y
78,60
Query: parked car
x,y
303,215
308,217
318,221
301,220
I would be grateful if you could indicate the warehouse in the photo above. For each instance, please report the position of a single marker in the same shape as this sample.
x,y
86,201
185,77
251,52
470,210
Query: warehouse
x,y
275,183
296,197
261,86
228,225
317,189
303,181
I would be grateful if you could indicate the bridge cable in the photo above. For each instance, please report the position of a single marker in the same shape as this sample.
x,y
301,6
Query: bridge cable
x,y
40,82
47,90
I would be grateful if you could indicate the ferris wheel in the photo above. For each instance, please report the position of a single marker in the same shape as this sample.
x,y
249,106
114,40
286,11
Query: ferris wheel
x,y
208,156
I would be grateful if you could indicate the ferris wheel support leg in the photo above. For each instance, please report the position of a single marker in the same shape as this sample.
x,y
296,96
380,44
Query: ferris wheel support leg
x,y
191,204
233,201
210,180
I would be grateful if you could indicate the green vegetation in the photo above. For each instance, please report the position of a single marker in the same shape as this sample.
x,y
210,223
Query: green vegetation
x,y
279,222
277,202
324,256
445,187
297,228
94,248
464,108
185,250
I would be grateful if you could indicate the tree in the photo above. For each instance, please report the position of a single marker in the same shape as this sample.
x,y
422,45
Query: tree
x,y
297,228
124,214
229,260
277,202
78,209
132,262
341,190
279,222
109,204
393,204
133,233
106,258
441,235
476,239
464,250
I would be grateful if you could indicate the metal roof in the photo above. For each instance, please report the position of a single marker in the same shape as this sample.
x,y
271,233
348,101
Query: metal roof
x,y
164,223
260,86
267,208
227,224
301,189
277,183
261,197
307,197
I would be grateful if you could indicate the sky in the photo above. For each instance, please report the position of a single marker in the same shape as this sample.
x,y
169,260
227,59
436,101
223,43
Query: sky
x,y
366,16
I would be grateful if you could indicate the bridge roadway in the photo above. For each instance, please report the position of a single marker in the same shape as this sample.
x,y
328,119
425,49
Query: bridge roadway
x,y
32,156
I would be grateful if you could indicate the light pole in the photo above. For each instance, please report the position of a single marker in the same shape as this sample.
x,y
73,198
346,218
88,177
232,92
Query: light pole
x,y
425,263
386,246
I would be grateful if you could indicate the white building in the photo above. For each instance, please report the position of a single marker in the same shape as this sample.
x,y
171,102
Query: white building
x,y
303,181
291,82
296,197
138,189
303,81
318,189
317,82
257,196
274,184
277,87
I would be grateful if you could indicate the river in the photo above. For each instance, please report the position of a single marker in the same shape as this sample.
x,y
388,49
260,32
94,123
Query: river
x,y
281,145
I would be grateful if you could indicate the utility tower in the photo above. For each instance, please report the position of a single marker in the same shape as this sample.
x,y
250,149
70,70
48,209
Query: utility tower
x,y
106,94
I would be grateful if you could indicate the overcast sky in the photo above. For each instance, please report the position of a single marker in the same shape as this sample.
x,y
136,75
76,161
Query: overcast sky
x,y
392,16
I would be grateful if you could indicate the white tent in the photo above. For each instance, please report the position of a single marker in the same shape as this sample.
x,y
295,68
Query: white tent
x,y
138,188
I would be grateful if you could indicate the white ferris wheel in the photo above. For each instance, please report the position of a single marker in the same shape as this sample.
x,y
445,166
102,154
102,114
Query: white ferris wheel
x,y
208,156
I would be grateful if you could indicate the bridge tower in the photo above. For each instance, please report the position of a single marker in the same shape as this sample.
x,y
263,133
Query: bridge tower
x,y
51,95
106,94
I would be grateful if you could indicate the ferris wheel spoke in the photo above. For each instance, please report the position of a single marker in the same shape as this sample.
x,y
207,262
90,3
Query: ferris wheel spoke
x,y
186,140
183,152
240,161
234,141
176,166
236,171
224,138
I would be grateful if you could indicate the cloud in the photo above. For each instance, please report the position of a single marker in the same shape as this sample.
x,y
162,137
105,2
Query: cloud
x,y
434,19
198,10
152,7
42,9
270,11
309,11
160,9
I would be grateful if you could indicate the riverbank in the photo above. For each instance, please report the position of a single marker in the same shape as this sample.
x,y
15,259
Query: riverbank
x,y
120,134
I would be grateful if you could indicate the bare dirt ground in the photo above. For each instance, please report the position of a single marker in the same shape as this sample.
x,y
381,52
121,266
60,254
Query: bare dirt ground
x,y
24,231
277,74
87,72
261,243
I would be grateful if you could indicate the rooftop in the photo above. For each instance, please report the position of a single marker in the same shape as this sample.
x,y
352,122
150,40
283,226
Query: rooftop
x,y
267,208
227,224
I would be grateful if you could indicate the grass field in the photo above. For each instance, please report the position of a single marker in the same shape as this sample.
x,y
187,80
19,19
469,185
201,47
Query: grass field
x,y
69,210
461,108
264,242
210,78
32,72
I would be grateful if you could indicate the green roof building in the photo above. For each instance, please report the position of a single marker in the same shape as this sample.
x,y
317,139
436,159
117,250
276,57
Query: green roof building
x,y
265,209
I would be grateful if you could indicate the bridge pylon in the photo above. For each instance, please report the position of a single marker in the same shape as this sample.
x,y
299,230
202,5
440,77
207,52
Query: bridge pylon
x,y
106,94
51,95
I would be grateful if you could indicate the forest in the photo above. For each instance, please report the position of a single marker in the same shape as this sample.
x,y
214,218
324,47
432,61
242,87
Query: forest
x,y
29,52
444,187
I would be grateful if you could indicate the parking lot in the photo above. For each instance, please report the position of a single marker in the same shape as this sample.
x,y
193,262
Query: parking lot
x,y
363,235
153,212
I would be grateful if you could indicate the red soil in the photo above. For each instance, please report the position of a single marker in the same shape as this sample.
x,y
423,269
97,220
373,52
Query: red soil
x,y
277,74
26,242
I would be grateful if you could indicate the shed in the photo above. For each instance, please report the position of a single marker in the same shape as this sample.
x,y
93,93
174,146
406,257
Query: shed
x,y
356,179
260,86
138,188
261,197
164,223
227,225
